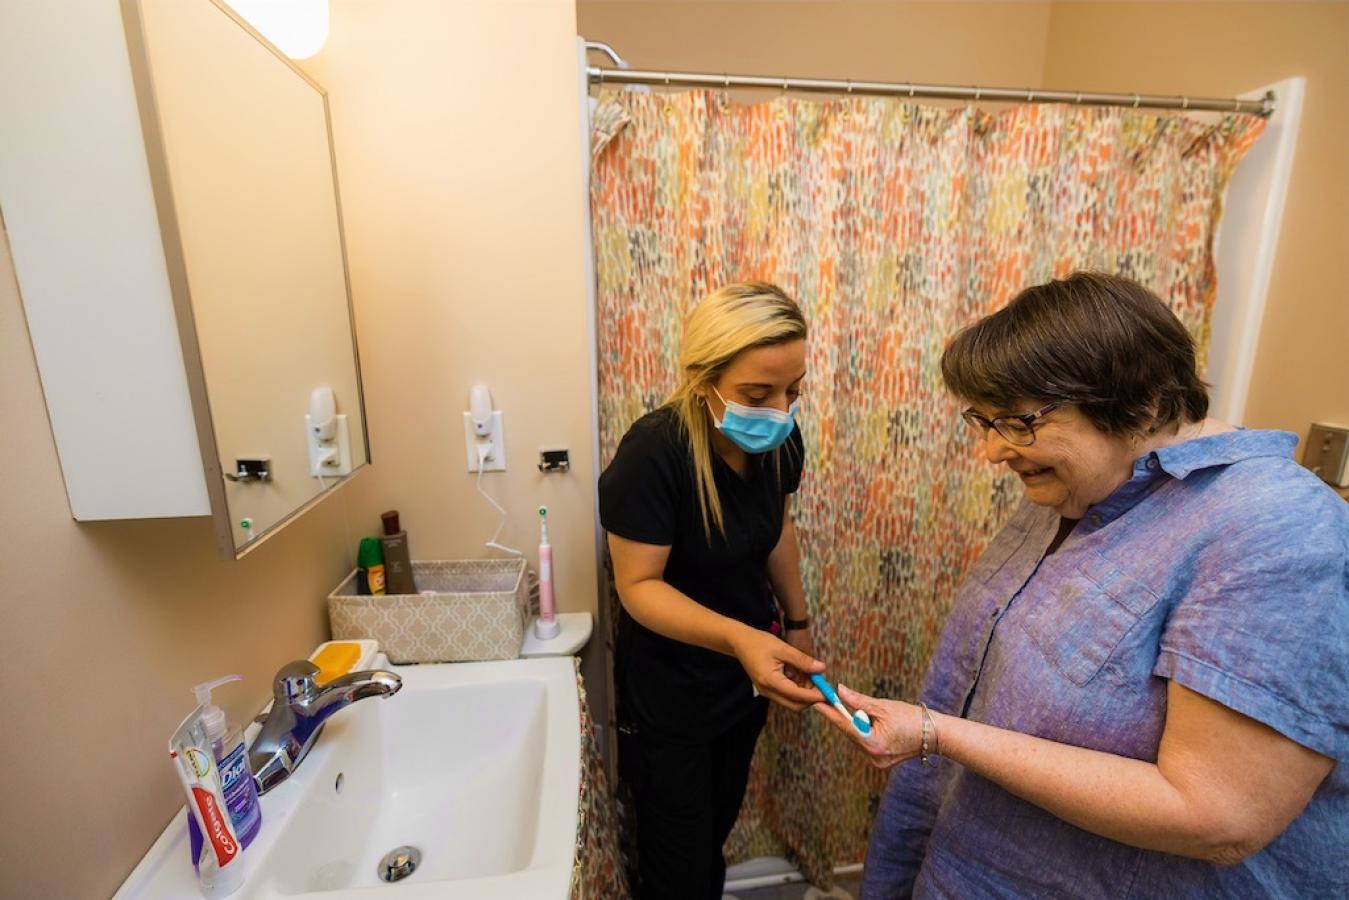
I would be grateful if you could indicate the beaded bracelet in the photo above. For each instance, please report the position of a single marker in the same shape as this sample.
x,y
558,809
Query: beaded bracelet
x,y
929,727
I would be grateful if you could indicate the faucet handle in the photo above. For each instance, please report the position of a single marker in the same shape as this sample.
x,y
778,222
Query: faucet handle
x,y
294,682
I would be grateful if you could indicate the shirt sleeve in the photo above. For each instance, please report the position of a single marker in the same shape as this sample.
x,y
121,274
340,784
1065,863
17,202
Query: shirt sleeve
x,y
1265,628
639,492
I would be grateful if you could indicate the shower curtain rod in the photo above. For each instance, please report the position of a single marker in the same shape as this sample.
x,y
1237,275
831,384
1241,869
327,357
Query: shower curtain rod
x,y
1262,107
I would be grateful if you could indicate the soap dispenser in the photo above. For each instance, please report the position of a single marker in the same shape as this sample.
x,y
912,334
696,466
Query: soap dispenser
x,y
236,780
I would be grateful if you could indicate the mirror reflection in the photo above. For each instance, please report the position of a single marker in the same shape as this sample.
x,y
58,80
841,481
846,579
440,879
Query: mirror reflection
x,y
247,163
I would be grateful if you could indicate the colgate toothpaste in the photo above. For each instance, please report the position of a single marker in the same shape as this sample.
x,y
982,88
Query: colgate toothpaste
x,y
219,858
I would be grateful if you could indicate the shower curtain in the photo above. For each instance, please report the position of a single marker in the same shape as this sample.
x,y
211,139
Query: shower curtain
x,y
893,224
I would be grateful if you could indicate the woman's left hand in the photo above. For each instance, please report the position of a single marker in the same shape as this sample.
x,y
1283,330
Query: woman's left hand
x,y
896,727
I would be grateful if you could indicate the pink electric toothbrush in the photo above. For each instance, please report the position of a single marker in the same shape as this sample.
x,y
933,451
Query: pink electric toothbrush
x,y
547,626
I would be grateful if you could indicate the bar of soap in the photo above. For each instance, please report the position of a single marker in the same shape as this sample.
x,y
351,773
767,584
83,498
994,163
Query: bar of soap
x,y
335,660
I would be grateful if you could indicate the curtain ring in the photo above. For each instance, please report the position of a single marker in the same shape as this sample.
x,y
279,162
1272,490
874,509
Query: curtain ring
x,y
725,82
1136,99
978,92
1030,95
667,79
850,85
601,71
910,84
1078,101
1184,102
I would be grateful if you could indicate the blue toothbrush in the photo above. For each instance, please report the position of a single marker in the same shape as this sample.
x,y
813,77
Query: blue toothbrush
x,y
860,720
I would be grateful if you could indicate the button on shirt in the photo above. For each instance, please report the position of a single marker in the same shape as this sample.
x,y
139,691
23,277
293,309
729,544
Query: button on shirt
x,y
1221,564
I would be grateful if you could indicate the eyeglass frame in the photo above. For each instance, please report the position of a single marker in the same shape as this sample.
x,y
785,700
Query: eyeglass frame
x,y
1027,419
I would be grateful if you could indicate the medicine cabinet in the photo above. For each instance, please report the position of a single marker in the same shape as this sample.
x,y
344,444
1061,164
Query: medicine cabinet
x,y
174,216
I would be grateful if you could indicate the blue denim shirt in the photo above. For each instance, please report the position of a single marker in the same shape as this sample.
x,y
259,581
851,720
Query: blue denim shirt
x,y
1221,564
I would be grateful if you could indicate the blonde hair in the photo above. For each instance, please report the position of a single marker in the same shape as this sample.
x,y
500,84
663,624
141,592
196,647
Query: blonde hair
x,y
735,318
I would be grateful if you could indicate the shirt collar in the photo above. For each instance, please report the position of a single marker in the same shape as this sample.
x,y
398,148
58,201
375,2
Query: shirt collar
x,y
1212,450
1179,460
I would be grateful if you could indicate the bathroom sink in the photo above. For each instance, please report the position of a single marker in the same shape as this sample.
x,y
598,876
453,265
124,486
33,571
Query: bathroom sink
x,y
476,765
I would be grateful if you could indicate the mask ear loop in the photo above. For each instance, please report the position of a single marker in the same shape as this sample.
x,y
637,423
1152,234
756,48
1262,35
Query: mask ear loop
x,y
707,402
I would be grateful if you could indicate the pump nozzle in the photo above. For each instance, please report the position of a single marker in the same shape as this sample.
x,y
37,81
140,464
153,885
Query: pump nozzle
x,y
212,716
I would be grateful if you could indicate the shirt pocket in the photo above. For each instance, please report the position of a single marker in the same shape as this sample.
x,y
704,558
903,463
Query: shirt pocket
x,y
1079,621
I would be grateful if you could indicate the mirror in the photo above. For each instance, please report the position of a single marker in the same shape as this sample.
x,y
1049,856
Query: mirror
x,y
240,152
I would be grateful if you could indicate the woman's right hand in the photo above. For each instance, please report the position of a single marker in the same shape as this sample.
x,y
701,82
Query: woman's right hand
x,y
766,659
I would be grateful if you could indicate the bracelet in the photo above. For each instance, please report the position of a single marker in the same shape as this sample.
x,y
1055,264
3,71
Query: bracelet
x,y
929,727
796,624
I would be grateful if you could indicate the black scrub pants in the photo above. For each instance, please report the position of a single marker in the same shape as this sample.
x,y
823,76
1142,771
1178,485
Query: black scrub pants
x,y
687,795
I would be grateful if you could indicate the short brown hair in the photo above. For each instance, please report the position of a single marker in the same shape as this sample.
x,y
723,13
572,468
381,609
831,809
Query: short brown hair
x,y
1103,343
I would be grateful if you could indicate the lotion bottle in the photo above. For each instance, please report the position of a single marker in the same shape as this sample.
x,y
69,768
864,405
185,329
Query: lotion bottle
x,y
397,561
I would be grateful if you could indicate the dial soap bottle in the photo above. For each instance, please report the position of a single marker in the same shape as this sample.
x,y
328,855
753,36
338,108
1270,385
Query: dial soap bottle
x,y
236,780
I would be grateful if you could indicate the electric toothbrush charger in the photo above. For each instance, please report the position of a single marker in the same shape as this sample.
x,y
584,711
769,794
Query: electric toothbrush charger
x,y
575,629
546,631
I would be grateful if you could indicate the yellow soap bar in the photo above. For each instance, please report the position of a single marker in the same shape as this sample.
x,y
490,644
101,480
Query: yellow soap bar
x,y
336,660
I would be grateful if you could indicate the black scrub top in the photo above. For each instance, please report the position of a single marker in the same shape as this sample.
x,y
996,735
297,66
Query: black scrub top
x,y
648,494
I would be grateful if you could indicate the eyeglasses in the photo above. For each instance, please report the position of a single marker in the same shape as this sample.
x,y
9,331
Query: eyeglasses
x,y
1018,430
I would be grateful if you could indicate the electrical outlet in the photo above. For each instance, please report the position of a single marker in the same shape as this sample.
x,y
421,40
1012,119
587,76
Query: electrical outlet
x,y
496,460
1327,453
330,458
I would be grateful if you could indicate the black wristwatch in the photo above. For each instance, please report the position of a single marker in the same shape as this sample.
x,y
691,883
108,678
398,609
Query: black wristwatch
x,y
796,624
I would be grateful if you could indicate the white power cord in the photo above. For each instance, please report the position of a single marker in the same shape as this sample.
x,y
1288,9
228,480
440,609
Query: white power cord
x,y
484,449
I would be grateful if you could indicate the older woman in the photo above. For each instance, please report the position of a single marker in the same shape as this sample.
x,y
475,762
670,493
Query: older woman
x,y
1143,687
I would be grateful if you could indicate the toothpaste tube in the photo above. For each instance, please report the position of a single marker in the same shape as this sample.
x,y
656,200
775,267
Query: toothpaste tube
x,y
219,860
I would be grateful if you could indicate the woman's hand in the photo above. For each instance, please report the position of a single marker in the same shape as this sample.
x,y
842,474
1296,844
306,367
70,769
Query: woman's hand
x,y
801,640
767,660
896,728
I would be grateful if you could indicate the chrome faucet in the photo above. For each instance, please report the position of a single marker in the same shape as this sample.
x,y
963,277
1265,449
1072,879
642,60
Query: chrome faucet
x,y
300,706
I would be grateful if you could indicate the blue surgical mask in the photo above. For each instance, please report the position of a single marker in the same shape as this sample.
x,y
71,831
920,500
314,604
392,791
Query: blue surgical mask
x,y
755,429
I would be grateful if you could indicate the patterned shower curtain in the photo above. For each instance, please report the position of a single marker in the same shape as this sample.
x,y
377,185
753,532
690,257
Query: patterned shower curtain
x,y
893,224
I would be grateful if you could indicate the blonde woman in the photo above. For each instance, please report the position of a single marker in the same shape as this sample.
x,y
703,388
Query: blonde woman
x,y
706,563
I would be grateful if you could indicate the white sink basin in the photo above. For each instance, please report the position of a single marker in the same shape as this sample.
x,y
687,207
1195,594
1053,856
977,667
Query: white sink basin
x,y
477,765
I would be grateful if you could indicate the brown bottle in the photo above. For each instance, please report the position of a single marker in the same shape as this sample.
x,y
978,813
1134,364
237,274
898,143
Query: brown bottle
x,y
397,562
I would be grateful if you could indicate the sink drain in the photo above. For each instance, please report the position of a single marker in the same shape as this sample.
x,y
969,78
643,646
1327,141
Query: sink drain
x,y
398,863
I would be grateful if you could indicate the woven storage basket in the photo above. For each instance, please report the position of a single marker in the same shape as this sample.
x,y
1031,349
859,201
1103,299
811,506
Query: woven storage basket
x,y
477,611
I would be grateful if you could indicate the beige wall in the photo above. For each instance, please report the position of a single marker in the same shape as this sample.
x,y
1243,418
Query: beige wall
x,y
943,42
459,157
463,207
1224,48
